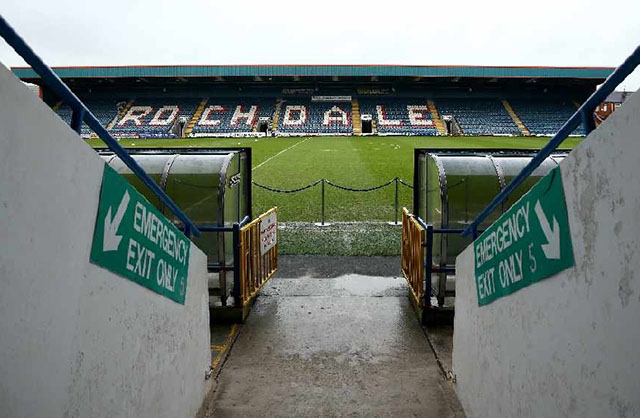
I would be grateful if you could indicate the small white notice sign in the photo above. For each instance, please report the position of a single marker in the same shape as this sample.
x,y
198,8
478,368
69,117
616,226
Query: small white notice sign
x,y
268,233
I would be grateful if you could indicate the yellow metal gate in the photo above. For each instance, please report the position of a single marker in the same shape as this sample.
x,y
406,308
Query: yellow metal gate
x,y
413,247
258,254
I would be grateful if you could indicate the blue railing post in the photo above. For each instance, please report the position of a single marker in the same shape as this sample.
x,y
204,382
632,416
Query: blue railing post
x,y
428,265
236,265
582,115
76,120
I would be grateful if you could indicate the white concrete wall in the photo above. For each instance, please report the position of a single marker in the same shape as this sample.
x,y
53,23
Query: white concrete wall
x,y
568,346
75,339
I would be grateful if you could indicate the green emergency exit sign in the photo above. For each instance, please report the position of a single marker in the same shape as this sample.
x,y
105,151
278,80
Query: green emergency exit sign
x,y
134,240
529,242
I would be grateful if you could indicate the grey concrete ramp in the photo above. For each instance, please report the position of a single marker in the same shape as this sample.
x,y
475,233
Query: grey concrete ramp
x,y
345,346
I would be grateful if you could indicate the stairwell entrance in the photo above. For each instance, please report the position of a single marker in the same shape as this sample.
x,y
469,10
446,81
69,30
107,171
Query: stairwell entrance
x,y
367,125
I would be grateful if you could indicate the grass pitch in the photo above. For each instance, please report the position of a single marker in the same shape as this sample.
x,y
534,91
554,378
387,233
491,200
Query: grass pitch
x,y
357,218
354,162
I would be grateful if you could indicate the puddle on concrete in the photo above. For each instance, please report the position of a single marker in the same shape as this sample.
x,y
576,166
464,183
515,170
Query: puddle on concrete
x,y
347,285
357,285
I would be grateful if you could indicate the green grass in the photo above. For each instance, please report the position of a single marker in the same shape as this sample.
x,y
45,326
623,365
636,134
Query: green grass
x,y
357,162
345,238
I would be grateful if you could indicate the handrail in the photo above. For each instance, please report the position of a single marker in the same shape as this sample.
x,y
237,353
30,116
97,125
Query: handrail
x,y
583,114
82,113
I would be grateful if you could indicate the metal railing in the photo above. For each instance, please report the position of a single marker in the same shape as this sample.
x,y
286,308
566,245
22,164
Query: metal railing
x,y
251,269
583,115
255,268
82,114
221,267
443,270
396,181
417,260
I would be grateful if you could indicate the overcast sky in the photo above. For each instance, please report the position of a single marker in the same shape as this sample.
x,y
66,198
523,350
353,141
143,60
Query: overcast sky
x,y
484,32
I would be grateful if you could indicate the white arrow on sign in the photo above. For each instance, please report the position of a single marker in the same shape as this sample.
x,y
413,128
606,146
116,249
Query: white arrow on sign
x,y
111,241
552,248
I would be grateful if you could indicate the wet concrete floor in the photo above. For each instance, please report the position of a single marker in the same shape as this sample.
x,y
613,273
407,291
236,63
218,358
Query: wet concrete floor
x,y
342,346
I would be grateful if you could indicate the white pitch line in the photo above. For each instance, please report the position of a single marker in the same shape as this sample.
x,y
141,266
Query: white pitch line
x,y
281,152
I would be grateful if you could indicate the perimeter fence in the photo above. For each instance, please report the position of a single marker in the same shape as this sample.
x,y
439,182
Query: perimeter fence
x,y
323,183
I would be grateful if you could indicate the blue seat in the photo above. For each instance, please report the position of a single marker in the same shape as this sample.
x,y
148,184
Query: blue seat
x,y
408,116
153,118
304,116
544,117
479,116
232,116
104,110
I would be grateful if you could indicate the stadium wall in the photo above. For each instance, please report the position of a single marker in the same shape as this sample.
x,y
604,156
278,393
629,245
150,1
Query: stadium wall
x,y
568,345
77,340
